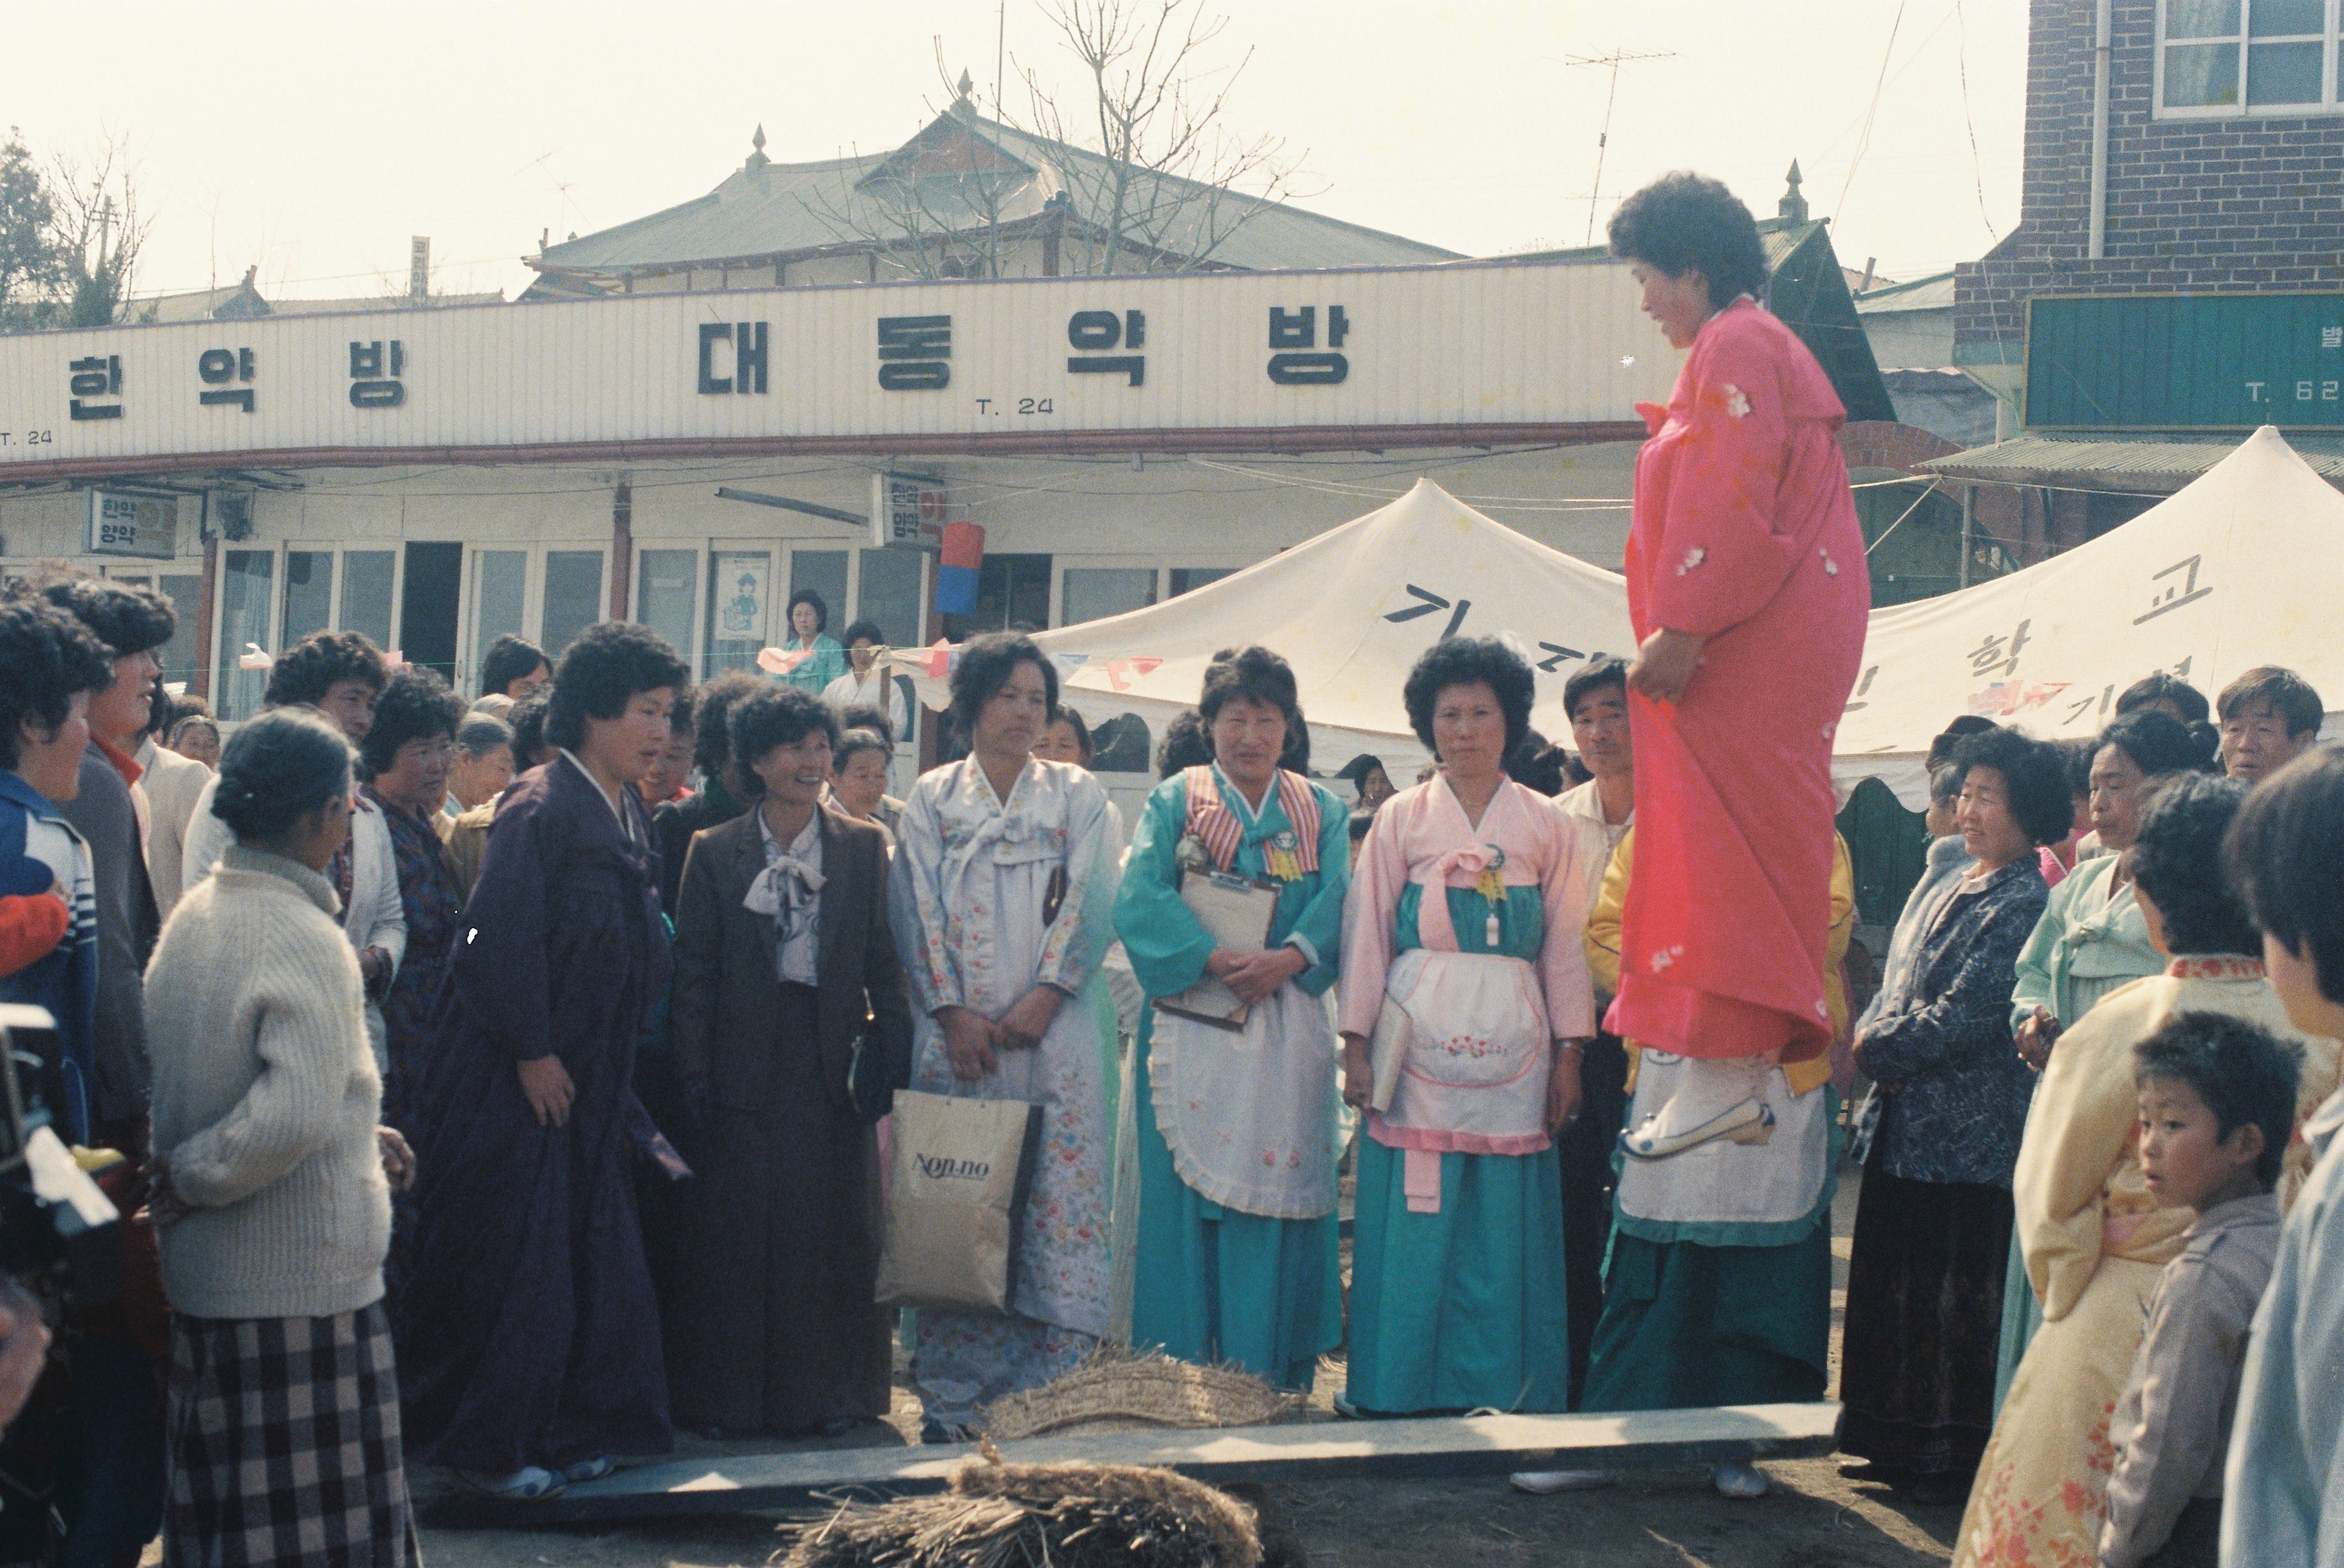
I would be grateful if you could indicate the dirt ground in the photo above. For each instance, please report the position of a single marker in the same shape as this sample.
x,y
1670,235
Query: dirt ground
x,y
1665,1518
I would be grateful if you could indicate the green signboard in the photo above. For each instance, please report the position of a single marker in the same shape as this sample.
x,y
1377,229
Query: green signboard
x,y
2179,362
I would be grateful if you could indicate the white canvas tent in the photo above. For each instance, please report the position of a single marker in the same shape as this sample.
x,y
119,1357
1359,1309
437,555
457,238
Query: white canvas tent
x,y
2244,567
1351,609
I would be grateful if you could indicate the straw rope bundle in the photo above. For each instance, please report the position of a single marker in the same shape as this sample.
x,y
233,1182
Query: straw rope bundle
x,y
1001,1515
1119,1390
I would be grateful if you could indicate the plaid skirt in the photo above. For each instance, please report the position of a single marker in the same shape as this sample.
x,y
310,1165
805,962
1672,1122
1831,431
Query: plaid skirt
x,y
284,1444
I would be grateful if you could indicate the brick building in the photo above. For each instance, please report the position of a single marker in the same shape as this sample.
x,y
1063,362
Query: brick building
x,y
2179,154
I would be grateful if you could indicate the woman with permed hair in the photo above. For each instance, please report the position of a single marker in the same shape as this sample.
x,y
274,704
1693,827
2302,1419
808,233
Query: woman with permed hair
x,y
1237,1232
1462,961
2094,1235
819,659
1944,1119
1001,896
1748,593
531,1333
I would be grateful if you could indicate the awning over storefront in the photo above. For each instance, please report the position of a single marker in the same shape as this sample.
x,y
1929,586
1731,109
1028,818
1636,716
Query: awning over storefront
x,y
2141,465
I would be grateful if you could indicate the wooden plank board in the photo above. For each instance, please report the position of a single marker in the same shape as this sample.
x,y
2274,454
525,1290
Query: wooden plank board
x,y
1424,1449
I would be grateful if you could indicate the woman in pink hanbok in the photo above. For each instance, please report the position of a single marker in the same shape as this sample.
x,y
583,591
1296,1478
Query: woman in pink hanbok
x,y
1748,593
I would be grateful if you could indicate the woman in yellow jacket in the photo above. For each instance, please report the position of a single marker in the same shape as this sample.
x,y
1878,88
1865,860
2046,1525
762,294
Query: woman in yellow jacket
x,y
1719,1286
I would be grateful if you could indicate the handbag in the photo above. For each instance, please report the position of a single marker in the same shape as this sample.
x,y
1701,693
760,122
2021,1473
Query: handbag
x,y
958,1176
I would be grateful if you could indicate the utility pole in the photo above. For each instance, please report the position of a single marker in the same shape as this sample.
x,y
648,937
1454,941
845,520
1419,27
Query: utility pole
x,y
1612,62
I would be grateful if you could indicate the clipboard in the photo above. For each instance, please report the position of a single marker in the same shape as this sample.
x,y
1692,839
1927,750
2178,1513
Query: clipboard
x,y
1237,913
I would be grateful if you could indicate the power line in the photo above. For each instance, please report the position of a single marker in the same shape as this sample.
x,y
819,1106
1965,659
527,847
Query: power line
x,y
1978,164
1864,142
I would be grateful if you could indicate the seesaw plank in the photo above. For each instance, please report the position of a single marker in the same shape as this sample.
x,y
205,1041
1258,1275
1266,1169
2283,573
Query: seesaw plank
x,y
1438,1448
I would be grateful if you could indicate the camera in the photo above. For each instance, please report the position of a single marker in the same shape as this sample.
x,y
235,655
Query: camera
x,y
55,1220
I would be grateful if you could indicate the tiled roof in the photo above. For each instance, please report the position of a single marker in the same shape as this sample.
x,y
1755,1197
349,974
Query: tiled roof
x,y
765,209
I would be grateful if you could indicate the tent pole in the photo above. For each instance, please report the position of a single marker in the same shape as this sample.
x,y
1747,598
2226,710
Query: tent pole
x,y
1969,515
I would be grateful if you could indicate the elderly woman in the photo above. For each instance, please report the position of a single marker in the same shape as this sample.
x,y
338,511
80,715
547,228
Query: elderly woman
x,y
1461,959
1748,593
1933,1224
197,738
1236,1238
482,764
2094,1234
267,1185
1371,786
1000,896
824,660
2091,941
783,962
858,780
405,759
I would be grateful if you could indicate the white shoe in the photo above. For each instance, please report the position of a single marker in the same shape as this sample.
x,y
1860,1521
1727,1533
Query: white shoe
x,y
1547,1482
1752,1121
529,1484
1713,1099
1737,1478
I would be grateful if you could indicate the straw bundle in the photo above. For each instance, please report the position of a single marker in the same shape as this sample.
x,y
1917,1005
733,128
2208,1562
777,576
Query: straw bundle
x,y
1042,1516
1123,1390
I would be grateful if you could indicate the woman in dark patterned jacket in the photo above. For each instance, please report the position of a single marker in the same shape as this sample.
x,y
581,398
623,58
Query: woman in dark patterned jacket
x,y
1933,1226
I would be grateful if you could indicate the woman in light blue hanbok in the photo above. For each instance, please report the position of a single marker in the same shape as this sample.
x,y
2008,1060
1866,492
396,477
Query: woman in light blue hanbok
x,y
1464,921
1000,896
1236,1142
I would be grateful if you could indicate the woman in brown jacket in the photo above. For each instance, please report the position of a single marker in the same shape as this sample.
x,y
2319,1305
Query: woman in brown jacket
x,y
783,962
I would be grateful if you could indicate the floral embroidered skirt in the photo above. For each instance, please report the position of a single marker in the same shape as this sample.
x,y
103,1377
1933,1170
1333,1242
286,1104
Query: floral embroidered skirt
x,y
2042,1489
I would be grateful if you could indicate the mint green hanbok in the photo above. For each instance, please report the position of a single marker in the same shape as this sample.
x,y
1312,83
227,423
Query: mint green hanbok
x,y
1236,1253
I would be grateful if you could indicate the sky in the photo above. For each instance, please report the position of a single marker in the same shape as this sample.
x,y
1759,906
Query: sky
x,y
312,140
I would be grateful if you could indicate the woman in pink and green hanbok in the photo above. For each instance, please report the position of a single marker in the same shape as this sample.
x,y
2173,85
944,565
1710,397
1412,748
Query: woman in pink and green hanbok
x,y
1466,1001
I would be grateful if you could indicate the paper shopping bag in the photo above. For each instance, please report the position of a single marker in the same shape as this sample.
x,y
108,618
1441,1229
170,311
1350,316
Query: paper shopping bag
x,y
957,1179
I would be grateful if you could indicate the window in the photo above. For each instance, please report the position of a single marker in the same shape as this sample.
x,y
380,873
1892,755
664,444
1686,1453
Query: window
x,y
180,655
665,583
1012,591
890,594
367,578
2241,57
500,596
1093,592
573,597
308,593
245,586
824,571
1185,577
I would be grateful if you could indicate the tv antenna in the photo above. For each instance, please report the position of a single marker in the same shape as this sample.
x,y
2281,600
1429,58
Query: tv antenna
x,y
1610,62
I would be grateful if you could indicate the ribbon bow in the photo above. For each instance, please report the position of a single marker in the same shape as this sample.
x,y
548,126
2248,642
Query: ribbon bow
x,y
772,891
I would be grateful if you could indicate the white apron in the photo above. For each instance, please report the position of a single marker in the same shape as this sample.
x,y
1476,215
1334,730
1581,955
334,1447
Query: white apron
x,y
1245,1111
1722,1182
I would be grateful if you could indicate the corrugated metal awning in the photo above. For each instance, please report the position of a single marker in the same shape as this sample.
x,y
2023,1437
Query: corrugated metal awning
x,y
2146,465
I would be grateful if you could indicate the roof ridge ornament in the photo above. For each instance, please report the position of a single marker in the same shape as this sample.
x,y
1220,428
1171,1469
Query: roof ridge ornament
x,y
1794,205
757,158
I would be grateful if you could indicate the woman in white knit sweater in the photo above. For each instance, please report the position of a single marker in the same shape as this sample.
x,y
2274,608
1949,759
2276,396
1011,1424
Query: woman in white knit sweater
x,y
270,1186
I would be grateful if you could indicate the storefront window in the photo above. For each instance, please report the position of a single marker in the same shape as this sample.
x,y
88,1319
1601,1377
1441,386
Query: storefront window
x,y
1094,593
1185,577
245,584
890,594
573,596
824,571
181,655
665,582
308,593
367,577
499,592
1012,590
